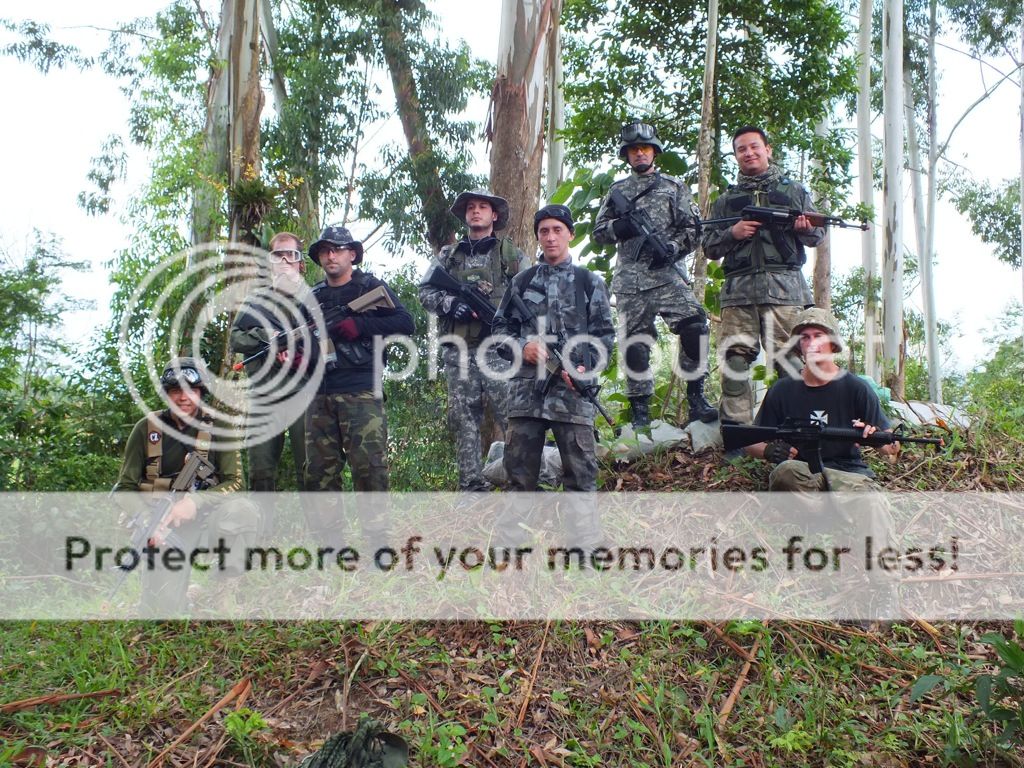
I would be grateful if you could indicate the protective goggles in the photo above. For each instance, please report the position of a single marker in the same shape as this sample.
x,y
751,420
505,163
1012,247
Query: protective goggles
x,y
286,254
174,376
637,132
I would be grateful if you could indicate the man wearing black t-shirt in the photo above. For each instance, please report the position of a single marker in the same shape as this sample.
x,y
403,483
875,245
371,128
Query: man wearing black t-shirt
x,y
827,395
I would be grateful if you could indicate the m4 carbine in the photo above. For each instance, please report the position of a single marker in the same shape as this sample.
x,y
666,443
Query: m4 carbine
x,y
378,298
808,437
438,277
661,252
151,521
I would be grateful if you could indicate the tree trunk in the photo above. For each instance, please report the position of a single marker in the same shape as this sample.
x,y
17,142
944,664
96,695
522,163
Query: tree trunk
x,y
822,277
1022,182
867,195
706,144
931,320
892,191
246,106
556,110
207,201
516,124
426,175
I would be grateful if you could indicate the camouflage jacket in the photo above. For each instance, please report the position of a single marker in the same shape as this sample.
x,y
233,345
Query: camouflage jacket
x,y
266,312
670,206
766,268
549,292
489,264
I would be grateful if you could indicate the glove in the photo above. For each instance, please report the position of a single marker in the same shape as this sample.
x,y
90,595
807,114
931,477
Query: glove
x,y
348,329
624,229
777,451
460,312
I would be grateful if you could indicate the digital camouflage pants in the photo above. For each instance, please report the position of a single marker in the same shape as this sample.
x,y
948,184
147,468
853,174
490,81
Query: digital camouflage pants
x,y
677,306
470,390
741,334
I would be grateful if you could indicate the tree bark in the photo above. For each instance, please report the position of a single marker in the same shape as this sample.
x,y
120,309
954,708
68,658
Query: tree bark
x,y
556,110
931,320
867,195
822,277
705,144
246,106
426,175
516,124
892,191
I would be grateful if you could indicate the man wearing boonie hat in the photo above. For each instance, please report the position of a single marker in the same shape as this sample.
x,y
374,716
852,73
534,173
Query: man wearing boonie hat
x,y
824,394
488,263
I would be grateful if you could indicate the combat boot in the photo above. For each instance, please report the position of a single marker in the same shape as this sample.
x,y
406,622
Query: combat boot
x,y
641,408
699,408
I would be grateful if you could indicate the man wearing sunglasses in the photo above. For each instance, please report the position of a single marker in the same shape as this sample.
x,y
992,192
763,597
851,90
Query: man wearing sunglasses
x,y
274,308
765,289
345,422
488,263
155,453
646,286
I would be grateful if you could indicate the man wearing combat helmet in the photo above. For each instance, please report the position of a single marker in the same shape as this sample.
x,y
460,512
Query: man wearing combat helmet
x,y
647,283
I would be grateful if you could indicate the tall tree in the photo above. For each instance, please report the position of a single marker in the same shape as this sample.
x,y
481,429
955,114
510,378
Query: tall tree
x,y
892,192
516,124
872,326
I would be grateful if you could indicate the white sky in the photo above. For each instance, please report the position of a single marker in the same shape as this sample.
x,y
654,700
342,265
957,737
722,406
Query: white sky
x,y
58,122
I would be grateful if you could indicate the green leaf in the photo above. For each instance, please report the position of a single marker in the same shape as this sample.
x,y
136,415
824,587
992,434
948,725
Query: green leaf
x,y
923,685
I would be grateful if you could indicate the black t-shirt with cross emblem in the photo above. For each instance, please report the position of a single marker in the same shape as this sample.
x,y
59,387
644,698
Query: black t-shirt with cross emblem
x,y
836,404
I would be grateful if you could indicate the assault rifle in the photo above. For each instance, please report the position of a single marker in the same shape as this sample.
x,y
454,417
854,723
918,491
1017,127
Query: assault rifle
x,y
438,277
808,437
780,218
661,252
378,298
557,362
150,521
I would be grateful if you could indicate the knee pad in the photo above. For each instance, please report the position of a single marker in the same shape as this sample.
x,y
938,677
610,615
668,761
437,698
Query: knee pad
x,y
638,358
736,375
691,337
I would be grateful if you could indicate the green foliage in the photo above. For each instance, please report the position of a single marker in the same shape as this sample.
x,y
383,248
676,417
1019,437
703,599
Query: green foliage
x,y
243,726
994,212
996,388
1001,696
781,65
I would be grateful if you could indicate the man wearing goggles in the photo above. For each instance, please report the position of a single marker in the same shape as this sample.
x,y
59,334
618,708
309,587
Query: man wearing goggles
x,y
156,451
646,286
269,310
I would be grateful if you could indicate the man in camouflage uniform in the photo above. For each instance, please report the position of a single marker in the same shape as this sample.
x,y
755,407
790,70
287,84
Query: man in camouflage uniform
x,y
764,287
156,450
643,293
273,309
567,301
345,422
487,262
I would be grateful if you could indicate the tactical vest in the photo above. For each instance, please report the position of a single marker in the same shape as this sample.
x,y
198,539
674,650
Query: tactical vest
x,y
155,451
498,272
771,248
345,353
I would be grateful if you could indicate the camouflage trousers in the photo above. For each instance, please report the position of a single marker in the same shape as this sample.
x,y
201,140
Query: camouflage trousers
x,y
741,334
265,457
576,446
340,429
675,303
524,442
235,521
470,391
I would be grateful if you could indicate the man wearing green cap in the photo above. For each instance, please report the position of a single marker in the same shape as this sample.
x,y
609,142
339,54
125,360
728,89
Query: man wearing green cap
x,y
824,394
483,260
647,285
